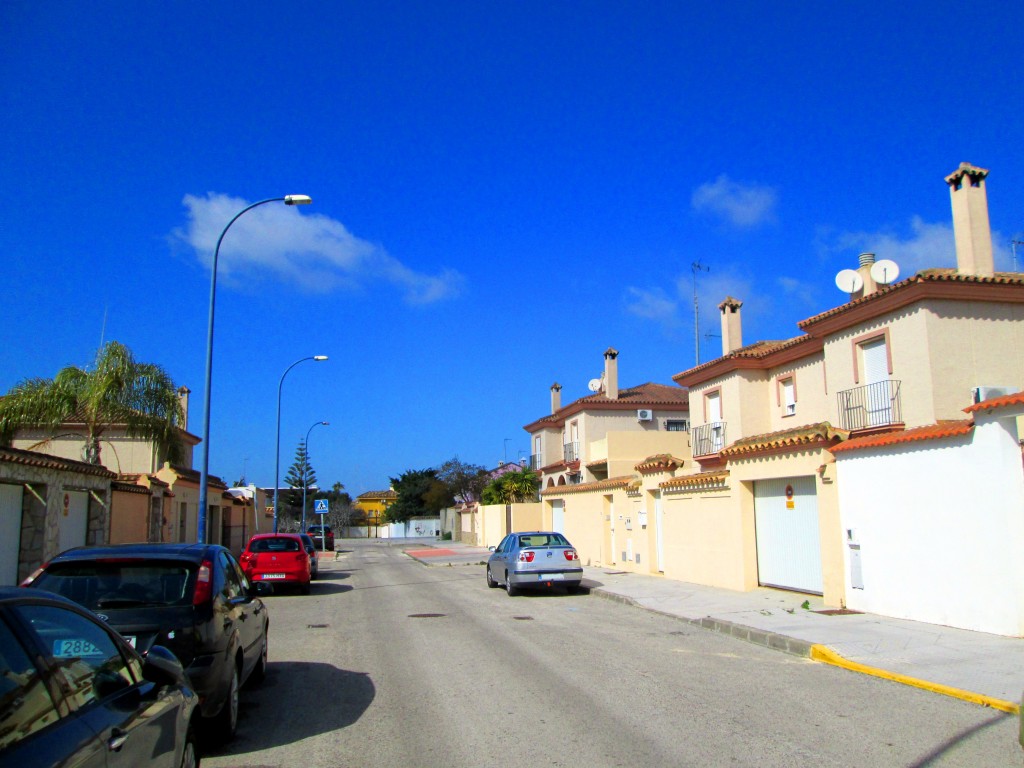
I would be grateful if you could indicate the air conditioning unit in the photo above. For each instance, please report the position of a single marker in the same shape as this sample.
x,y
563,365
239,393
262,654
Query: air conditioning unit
x,y
644,415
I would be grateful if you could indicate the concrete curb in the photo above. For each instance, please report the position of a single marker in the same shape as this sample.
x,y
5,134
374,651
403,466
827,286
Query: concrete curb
x,y
826,655
817,652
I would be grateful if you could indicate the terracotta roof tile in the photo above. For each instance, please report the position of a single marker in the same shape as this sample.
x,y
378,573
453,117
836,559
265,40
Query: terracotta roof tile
x,y
662,462
822,432
714,478
1017,398
599,485
759,350
645,395
389,494
929,432
45,461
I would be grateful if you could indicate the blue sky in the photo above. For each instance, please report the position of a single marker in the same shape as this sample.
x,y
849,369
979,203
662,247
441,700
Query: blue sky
x,y
501,192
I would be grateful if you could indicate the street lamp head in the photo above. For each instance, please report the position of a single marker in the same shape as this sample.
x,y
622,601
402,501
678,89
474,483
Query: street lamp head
x,y
326,423
318,358
297,199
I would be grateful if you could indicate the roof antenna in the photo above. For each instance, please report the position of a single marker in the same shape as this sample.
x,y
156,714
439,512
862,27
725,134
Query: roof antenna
x,y
696,267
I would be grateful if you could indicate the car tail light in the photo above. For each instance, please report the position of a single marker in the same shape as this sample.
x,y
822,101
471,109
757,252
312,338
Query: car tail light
x,y
526,557
34,575
204,583
570,554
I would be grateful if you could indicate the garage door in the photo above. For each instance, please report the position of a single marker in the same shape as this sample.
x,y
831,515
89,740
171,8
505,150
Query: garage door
x,y
10,533
74,519
788,544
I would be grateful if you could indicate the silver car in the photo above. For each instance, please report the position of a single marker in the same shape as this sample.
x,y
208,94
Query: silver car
x,y
534,560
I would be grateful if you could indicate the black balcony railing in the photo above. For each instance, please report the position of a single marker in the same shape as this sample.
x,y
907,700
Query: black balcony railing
x,y
571,451
535,461
708,438
872,405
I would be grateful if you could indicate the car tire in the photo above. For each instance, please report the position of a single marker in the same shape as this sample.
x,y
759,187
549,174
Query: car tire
x,y
223,726
512,591
259,672
190,753
490,580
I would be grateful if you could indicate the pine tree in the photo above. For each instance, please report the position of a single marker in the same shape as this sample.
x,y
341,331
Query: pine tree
x,y
301,475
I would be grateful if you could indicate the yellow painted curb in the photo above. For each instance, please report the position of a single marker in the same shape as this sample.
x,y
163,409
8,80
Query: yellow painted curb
x,y
828,656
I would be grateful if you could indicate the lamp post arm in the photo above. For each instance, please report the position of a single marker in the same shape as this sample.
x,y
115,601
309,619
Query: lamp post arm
x,y
277,450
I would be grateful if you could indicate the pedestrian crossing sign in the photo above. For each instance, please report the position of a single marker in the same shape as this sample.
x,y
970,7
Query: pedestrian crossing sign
x,y
320,506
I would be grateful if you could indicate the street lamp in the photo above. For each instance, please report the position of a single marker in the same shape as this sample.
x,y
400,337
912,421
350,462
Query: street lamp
x,y
204,472
305,467
277,453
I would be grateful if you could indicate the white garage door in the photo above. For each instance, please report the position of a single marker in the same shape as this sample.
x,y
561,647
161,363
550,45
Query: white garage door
x,y
74,520
10,533
788,544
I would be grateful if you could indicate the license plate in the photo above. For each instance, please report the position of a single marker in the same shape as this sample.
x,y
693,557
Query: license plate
x,y
130,639
550,577
266,576
72,648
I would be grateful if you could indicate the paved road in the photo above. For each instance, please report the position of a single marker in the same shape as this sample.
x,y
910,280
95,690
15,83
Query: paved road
x,y
391,663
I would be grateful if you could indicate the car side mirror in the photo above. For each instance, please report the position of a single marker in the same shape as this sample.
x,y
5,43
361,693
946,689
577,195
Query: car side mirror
x,y
490,549
162,667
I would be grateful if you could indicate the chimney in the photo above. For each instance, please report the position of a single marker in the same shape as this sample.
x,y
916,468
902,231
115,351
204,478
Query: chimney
x,y
183,393
970,221
611,374
866,261
556,397
732,329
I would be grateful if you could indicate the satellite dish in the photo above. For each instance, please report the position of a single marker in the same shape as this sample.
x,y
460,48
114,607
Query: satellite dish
x,y
849,280
884,272
594,385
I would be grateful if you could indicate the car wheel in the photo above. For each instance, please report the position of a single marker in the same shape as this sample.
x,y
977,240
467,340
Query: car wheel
x,y
190,754
512,591
490,579
225,723
259,673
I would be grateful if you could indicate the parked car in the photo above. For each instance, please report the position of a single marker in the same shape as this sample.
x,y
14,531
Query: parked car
x,y
314,556
318,532
534,560
191,598
73,692
279,558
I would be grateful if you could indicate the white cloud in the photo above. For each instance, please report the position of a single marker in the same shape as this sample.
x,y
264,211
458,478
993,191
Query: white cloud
x,y
739,204
311,251
652,304
922,246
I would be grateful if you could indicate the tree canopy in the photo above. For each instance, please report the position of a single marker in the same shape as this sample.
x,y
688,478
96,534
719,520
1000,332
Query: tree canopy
x,y
420,494
465,482
512,487
116,391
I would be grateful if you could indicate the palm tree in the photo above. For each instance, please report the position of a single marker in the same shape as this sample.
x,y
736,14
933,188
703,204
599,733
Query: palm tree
x,y
115,391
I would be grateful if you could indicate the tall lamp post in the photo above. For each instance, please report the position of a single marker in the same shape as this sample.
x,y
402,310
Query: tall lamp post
x,y
204,472
277,452
305,468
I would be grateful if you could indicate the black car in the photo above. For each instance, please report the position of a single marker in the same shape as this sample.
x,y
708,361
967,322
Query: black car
x,y
72,691
323,537
191,598
314,558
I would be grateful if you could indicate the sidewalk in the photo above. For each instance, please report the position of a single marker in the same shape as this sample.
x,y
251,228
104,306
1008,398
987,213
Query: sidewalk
x,y
974,666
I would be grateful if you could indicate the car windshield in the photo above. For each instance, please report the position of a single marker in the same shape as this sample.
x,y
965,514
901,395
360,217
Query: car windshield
x,y
543,540
96,584
274,545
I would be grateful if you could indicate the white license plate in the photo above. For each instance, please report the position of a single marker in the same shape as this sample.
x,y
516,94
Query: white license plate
x,y
272,576
130,639
550,577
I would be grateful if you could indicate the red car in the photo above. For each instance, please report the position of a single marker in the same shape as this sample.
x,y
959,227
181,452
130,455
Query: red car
x,y
279,558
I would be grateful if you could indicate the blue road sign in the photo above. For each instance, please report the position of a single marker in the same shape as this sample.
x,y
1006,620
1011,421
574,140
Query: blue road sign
x,y
320,506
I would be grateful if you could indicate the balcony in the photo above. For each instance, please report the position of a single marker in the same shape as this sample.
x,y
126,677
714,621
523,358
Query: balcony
x,y
571,451
708,438
870,406
535,459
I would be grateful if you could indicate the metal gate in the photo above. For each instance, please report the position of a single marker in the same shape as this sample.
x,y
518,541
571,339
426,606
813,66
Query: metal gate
x,y
10,533
788,542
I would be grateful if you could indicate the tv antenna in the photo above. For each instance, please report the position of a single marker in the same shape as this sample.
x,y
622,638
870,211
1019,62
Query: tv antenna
x,y
696,267
1013,250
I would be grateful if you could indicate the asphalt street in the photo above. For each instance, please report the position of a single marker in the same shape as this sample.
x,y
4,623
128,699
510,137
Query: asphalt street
x,y
392,663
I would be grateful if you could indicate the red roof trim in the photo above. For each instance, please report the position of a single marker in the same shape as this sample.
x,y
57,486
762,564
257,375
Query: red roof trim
x,y
938,431
996,402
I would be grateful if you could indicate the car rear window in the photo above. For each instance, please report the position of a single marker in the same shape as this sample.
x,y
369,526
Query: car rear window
x,y
544,540
99,584
274,545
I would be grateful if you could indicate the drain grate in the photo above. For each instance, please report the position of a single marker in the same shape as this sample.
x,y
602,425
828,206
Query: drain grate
x,y
426,615
523,618
317,626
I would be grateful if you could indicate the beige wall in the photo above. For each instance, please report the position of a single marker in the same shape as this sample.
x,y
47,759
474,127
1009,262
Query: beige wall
x,y
118,452
129,517
585,524
813,403
708,537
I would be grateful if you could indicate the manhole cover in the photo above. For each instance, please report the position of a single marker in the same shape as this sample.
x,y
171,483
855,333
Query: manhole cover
x,y
317,626
523,618
426,615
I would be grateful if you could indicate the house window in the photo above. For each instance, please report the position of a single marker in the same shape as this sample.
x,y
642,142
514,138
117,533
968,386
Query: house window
x,y
788,395
677,425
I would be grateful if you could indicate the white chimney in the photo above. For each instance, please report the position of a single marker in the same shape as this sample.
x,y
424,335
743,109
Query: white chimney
x,y
611,374
556,397
971,228
732,328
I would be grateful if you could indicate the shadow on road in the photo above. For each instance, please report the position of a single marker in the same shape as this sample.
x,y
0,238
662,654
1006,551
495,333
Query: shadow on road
x,y
283,709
